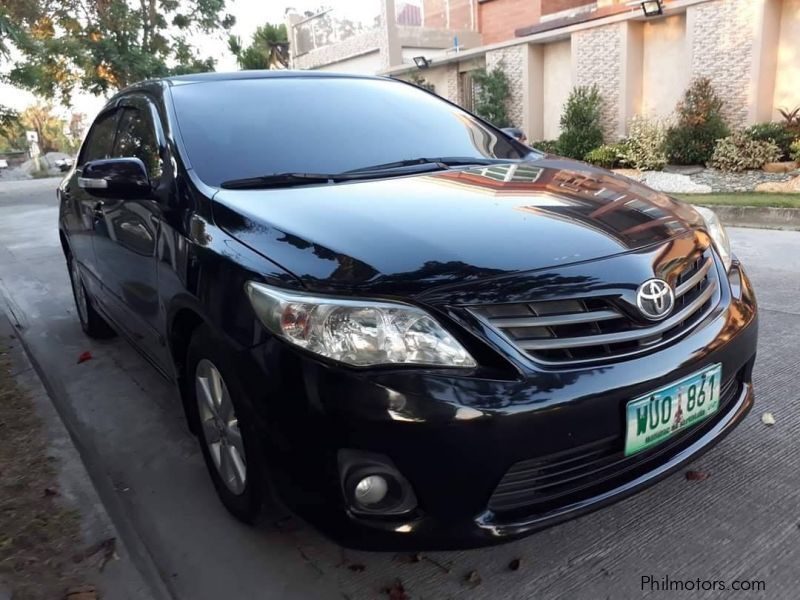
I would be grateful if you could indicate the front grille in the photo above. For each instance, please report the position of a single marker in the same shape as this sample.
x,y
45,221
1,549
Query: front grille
x,y
542,484
589,329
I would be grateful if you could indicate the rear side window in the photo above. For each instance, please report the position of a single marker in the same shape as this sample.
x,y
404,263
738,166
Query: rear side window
x,y
136,138
100,140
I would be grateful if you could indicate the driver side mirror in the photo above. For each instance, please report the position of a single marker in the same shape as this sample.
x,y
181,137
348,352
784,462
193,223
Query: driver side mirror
x,y
115,178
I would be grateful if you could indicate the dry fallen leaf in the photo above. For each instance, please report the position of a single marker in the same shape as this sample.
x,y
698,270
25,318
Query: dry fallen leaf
x,y
473,577
84,592
515,564
84,356
357,567
396,591
49,492
697,475
768,419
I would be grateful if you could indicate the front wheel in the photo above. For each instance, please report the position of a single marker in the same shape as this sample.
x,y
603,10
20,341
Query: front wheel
x,y
92,323
226,430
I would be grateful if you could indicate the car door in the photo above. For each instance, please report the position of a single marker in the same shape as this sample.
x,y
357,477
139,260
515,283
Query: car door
x,y
125,241
79,208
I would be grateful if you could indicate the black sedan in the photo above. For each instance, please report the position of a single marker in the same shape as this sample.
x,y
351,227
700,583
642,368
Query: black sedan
x,y
383,312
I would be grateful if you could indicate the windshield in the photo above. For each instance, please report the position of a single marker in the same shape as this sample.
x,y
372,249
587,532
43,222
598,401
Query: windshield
x,y
246,128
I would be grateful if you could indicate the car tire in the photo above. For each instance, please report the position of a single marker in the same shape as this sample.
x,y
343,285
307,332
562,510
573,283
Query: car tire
x,y
226,428
93,325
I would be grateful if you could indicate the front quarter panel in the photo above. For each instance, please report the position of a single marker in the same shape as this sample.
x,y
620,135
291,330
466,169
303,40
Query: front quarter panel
x,y
203,269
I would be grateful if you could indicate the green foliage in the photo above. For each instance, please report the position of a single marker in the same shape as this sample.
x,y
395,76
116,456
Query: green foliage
x,y
794,151
773,132
644,148
791,119
607,156
103,46
699,125
738,152
546,146
12,133
491,95
48,126
268,49
420,81
581,129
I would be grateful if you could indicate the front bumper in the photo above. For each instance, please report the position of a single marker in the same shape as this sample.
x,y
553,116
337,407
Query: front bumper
x,y
453,436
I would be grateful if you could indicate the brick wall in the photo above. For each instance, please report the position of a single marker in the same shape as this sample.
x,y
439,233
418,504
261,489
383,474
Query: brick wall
x,y
499,18
435,13
553,6
722,49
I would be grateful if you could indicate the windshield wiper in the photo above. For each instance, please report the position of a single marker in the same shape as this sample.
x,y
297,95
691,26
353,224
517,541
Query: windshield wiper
x,y
411,165
442,162
279,180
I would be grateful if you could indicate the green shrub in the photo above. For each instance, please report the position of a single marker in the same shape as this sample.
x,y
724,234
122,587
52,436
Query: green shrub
x,y
547,146
581,129
738,152
794,150
773,132
699,125
491,94
644,147
607,156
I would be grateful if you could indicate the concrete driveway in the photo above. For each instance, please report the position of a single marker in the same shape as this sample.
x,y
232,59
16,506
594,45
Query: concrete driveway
x,y
743,523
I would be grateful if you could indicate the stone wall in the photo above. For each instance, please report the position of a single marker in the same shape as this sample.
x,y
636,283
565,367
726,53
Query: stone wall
x,y
512,61
722,46
357,45
597,58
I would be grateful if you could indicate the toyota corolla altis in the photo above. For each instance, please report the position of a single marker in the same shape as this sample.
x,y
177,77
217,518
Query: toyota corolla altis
x,y
411,329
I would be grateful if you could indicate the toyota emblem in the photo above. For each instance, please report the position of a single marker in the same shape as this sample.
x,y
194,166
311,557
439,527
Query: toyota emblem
x,y
655,299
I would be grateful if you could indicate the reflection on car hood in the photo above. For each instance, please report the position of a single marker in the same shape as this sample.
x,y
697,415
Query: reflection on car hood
x,y
405,235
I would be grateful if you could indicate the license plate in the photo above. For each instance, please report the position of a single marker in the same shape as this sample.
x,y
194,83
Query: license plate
x,y
657,416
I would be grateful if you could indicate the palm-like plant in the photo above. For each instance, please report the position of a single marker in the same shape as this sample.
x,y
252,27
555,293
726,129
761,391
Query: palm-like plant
x,y
268,49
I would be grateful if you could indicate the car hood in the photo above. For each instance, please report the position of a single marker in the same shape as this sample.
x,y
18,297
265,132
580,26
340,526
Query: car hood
x,y
405,235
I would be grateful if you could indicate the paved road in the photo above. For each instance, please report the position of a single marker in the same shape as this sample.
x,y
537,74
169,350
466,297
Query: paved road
x,y
742,523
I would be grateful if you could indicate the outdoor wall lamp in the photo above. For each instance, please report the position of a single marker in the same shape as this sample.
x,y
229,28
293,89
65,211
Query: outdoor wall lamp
x,y
650,8
422,62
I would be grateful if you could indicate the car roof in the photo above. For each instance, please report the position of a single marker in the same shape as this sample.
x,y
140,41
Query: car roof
x,y
263,74
156,83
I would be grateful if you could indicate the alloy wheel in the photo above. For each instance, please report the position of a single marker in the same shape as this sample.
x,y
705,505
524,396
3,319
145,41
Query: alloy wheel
x,y
220,426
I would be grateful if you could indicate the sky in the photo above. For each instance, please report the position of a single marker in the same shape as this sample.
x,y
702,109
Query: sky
x,y
249,14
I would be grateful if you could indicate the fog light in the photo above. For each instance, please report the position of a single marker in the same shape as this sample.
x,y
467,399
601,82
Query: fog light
x,y
371,490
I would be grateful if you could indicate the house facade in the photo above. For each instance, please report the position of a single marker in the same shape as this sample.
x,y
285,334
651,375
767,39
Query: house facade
x,y
750,49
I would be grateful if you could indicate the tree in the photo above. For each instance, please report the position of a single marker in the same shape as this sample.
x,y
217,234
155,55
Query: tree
x,y
491,94
581,130
12,133
48,127
104,45
700,123
268,49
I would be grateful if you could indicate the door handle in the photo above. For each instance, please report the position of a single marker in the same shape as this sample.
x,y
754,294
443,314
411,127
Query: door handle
x,y
97,209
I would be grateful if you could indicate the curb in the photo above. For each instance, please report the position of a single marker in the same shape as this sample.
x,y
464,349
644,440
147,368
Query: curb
x,y
133,576
760,217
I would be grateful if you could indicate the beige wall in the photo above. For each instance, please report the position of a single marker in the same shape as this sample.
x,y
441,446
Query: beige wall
x,y
556,85
787,79
665,65
366,64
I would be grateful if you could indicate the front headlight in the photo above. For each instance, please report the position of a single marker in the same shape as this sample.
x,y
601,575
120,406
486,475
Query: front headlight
x,y
718,234
356,332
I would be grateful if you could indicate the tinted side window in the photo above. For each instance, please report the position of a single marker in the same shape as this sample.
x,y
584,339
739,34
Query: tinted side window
x,y
100,140
136,137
